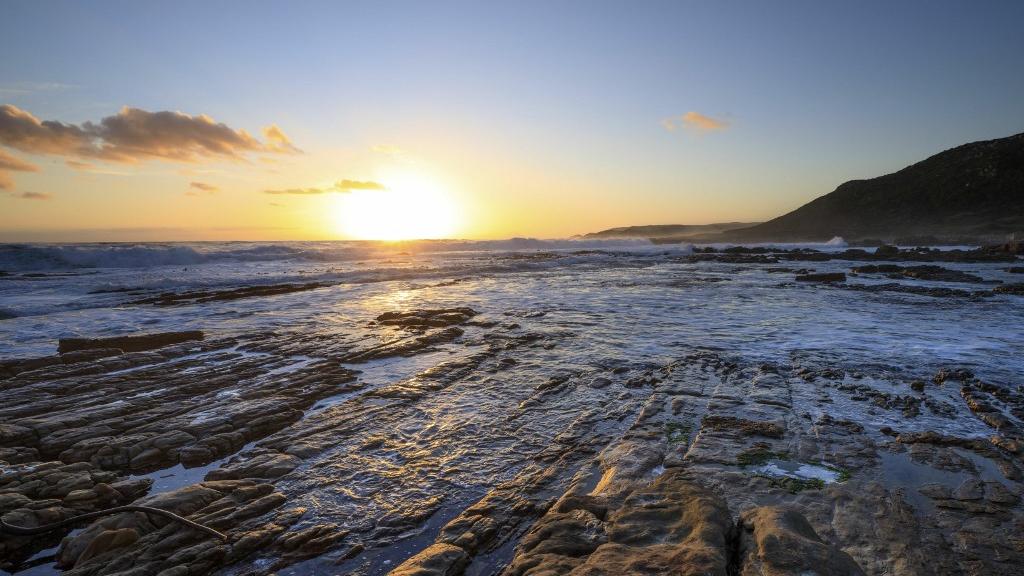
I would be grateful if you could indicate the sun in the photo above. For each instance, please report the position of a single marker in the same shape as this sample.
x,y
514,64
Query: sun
x,y
414,206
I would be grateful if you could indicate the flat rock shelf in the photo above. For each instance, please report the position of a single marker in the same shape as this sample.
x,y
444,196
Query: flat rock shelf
x,y
523,413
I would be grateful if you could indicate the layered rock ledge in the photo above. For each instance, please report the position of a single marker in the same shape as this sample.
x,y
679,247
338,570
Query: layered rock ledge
x,y
447,441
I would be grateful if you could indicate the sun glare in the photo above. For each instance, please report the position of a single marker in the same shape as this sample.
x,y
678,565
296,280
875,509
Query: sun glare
x,y
414,206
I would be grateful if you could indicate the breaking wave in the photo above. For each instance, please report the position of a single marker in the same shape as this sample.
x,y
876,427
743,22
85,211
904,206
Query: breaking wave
x,y
30,257
50,257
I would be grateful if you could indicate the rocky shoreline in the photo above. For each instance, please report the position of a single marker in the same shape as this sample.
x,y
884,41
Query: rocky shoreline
x,y
685,486
400,446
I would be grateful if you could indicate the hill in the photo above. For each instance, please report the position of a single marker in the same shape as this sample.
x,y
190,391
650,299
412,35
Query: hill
x,y
668,230
972,191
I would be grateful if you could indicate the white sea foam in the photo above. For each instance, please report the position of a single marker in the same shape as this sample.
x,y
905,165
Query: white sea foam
x,y
50,257
627,299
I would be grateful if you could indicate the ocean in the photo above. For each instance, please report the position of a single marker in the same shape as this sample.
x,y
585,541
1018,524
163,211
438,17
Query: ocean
x,y
643,300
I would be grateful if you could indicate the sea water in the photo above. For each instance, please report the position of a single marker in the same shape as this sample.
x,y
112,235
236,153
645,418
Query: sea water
x,y
646,302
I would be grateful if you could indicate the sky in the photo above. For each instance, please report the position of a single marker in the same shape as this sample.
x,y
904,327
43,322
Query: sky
x,y
334,120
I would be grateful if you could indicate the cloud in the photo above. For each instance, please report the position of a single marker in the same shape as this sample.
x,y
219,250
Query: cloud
x,y
343,185
10,163
23,88
85,166
694,121
339,186
300,191
203,186
94,169
23,131
33,196
277,141
397,154
195,188
702,122
134,135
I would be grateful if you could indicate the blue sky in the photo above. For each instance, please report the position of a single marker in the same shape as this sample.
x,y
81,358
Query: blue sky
x,y
538,106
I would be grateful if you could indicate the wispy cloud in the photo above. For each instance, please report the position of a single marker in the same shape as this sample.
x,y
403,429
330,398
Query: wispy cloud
x,y
345,185
300,191
388,150
277,141
31,195
339,186
702,122
395,153
35,196
94,169
77,165
694,121
201,188
24,88
10,164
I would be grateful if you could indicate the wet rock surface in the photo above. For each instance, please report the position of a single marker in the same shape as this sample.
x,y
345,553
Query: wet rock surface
x,y
779,541
670,525
823,277
932,291
884,253
483,438
925,272
39,493
1014,288
201,296
137,343
427,318
673,475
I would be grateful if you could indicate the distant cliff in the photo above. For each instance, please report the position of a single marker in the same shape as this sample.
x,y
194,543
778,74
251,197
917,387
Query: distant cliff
x,y
971,191
668,230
